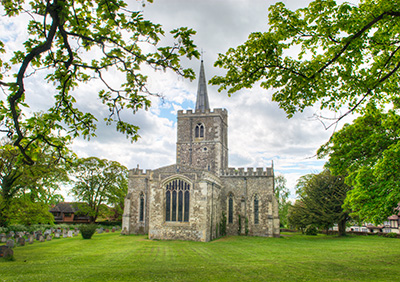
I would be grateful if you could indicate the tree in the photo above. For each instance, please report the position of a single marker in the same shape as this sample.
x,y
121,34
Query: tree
x,y
321,198
298,216
99,182
282,195
40,180
73,42
368,151
327,54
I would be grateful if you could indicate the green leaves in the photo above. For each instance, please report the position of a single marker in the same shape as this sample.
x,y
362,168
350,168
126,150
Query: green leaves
x,y
338,55
64,36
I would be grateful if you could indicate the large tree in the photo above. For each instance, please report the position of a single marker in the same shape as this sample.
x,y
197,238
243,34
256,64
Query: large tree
x,y
98,182
40,181
327,54
73,42
368,151
321,197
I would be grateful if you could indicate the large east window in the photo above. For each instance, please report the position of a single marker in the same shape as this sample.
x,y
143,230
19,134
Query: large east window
x,y
177,198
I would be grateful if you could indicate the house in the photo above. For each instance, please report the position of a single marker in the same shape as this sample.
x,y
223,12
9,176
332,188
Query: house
x,y
68,213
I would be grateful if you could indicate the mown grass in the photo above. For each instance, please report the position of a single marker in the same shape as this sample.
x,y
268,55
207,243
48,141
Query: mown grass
x,y
112,257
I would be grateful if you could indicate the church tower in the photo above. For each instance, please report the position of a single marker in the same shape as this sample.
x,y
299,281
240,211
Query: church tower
x,y
203,134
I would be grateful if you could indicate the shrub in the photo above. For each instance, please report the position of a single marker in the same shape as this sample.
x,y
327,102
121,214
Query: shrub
x,y
311,230
87,230
391,235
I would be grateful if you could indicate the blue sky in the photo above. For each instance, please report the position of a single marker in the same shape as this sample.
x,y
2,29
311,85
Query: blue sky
x,y
259,131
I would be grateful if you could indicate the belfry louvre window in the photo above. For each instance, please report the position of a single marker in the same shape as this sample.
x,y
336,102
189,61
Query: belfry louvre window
x,y
199,131
256,220
177,197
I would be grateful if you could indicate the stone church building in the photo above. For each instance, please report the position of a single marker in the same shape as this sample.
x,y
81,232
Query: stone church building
x,y
200,197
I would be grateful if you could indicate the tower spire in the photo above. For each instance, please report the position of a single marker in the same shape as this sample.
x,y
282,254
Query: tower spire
x,y
202,96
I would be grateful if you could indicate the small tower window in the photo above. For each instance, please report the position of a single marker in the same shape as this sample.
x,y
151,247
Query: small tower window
x,y
199,131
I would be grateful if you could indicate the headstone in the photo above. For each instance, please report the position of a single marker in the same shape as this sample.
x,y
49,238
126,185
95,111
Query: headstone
x,y
41,238
5,251
65,235
47,232
31,239
100,230
57,235
107,230
70,234
10,243
21,241
3,238
113,229
48,237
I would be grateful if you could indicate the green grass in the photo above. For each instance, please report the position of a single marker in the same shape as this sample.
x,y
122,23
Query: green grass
x,y
112,257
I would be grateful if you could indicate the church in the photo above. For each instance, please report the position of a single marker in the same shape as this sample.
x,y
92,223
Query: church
x,y
201,198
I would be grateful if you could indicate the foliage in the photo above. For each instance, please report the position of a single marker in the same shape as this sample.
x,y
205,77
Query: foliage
x,y
289,258
99,182
311,230
321,198
282,195
297,216
74,42
40,181
87,230
332,54
367,151
27,212
222,225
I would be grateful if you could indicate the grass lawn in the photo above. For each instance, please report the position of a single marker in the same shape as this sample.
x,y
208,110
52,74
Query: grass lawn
x,y
112,257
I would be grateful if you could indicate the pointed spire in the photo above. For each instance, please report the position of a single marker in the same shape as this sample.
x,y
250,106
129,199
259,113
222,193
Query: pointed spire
x,y
202,96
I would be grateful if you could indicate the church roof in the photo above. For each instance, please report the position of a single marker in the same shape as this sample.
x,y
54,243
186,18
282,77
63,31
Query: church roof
x,y
202,96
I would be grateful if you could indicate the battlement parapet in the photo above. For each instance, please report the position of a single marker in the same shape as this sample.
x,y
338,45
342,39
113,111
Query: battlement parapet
x,y
218,111
259,171
139,172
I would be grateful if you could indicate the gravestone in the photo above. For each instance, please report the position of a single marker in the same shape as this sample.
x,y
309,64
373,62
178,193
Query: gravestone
x,y
65,235
100,230
69,234
3,238
113,229
31,239
107,230
10,243
57,235
41,238
48,237
5,251
21,241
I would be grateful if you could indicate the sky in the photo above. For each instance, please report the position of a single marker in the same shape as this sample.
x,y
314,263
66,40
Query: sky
x,y
259,132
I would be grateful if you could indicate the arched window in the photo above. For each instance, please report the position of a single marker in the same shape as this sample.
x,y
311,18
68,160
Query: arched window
x,y
256,219
177,197
230,209
199,131
141,207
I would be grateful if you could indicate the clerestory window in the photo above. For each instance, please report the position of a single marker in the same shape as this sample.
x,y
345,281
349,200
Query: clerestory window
x,y
199,131
177,198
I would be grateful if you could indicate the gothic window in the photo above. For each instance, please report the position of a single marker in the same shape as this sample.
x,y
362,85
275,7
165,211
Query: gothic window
x,y
199,131
256,219
141,208
230,209
177,198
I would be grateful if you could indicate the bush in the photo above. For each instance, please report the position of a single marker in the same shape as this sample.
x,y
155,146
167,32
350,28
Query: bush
x,y
87,230
391,235
311,230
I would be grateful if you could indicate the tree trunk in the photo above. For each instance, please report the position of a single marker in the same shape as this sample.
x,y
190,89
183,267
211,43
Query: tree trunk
x,y
342,227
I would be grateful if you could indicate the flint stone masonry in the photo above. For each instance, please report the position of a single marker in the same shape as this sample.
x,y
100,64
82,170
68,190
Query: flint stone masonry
x,y
201,165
